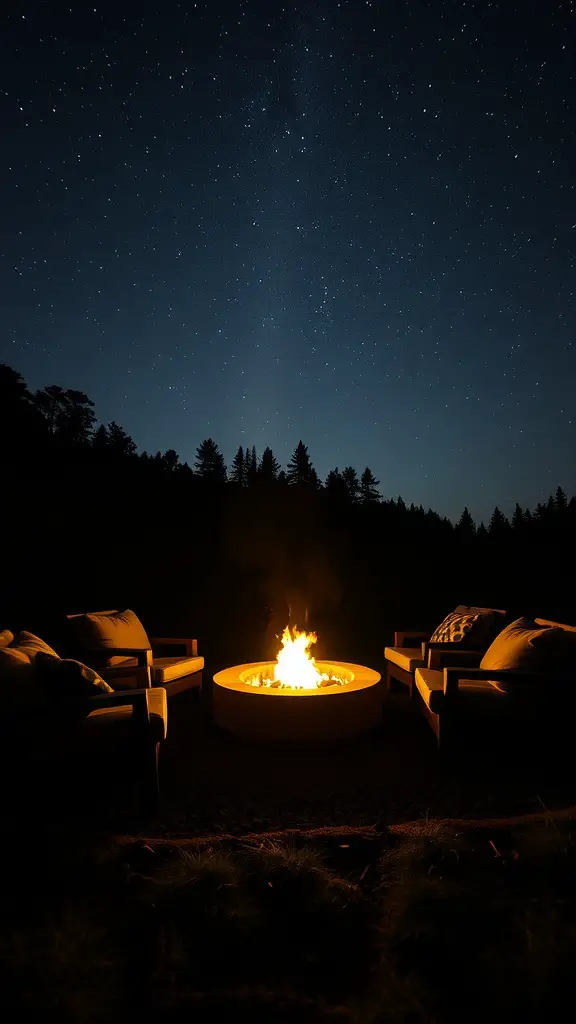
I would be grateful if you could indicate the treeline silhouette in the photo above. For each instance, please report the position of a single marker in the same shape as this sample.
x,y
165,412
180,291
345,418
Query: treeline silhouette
x,y
231,553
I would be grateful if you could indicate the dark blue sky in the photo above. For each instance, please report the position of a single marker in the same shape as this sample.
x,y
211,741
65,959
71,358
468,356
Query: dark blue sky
x,y
351,223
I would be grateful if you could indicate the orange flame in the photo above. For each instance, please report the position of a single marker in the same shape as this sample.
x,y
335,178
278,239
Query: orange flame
x,y
295,667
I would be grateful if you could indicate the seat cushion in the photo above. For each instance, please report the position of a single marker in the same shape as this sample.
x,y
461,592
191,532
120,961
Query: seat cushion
x,y
527,646
408,658
475,696
109,629
165,670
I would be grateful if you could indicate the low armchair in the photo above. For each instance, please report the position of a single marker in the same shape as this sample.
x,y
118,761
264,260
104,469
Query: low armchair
x,y
469,630
126,656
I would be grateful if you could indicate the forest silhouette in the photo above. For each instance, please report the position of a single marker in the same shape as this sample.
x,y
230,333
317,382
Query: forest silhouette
x,y
230,554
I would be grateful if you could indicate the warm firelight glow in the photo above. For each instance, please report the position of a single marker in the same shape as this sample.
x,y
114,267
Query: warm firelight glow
x,y
295,667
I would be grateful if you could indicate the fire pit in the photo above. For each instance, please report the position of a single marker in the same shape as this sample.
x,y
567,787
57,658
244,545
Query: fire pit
x,y
295,698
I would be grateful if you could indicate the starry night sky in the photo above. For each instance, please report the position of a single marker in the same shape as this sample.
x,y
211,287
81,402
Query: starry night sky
x,y
351,223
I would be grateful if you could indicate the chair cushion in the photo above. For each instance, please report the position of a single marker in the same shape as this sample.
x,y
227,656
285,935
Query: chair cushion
x,y
165,670
109,629
408,658
526,646
6,637
21,691
32,645
558,625
67,679
475,696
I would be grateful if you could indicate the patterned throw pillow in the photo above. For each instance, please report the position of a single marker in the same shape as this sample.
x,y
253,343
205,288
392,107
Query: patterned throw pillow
x,y
454,628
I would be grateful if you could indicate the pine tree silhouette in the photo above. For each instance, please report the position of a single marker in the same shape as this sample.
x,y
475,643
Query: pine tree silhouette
x,y
560,500
269,467
120,443
369,493
300,468
238,472
350,478
499,525
518,520
170,459
209,462
335,487
465,526
251,465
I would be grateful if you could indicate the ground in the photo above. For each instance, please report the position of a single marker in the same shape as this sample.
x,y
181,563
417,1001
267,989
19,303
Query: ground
x,y
362,883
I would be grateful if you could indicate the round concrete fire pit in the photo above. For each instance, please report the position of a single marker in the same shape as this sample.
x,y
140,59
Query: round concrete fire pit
x,y
285,715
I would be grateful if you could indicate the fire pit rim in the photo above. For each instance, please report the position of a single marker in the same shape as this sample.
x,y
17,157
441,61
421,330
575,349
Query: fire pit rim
x,y
362,678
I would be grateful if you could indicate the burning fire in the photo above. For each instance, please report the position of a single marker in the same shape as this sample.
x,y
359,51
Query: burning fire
x,y
295,667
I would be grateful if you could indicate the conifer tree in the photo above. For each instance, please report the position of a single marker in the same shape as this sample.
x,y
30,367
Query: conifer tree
x,y
465,526
518,521
269,467
300,468
499,525
251,465
209,462
238,472
350,478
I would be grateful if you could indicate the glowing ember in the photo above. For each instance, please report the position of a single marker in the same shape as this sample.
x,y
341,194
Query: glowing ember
x,y
295,667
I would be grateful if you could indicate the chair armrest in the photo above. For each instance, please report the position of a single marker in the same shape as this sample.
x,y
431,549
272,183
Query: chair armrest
x,y
452,677
440,645
138,699
190,646
143,657
143,654
402,635
439,656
